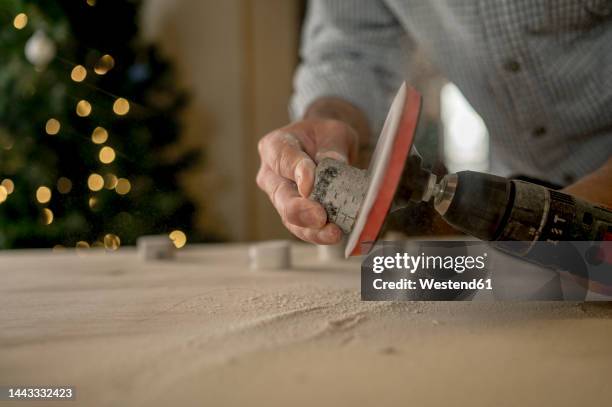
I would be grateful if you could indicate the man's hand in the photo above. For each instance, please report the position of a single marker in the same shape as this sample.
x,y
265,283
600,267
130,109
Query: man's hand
x,y
288,160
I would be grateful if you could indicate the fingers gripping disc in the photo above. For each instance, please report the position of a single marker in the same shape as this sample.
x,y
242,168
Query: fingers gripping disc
x,y
341,189
386,167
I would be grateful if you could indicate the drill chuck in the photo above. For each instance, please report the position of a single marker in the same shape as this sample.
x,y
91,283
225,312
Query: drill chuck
x,y
473,202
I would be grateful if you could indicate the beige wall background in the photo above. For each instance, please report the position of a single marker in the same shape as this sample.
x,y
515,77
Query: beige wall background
x,y
236,58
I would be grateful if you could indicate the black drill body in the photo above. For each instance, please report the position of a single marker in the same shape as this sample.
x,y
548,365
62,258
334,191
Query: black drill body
x,y
500,210
497,209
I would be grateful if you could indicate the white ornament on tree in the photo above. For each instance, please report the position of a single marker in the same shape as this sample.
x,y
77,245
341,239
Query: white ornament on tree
x,y
40,49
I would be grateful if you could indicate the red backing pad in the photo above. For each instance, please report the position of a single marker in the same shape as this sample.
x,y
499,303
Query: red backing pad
x,y
402,144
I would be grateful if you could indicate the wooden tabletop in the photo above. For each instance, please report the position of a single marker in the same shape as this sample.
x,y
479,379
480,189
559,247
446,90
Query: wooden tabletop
x,y
204,330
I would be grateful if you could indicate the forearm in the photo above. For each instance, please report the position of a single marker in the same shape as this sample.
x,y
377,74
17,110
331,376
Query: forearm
x,y
352,60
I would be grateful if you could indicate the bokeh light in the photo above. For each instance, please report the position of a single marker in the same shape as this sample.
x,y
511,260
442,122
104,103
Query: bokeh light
x,y
104,64
110,181
64,185
107,155
82,245
95,182
123,186
20,21
111,242
121,107
99,135
179,238
6,142
83,108
43,194
3,194
94,203
52,127
79,73
9,185
47,216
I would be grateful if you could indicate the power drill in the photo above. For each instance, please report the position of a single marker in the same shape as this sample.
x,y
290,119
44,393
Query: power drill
x,y
485,206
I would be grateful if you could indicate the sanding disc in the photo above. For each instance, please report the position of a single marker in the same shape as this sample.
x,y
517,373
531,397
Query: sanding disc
x,y
385,171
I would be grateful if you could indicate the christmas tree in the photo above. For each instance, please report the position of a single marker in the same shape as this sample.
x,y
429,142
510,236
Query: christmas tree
x,y
88,128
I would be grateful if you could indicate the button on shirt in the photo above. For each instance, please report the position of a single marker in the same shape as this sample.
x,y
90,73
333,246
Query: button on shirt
x,y
539,72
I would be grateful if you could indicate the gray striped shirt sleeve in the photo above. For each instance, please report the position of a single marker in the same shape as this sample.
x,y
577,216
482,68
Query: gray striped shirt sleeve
x,y
354,50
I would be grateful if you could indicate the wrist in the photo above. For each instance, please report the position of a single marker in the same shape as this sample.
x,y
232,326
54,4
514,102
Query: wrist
x,y
332,108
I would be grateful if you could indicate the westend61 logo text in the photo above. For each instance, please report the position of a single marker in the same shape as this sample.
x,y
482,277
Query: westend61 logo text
x,y
441,270
397,272
406,262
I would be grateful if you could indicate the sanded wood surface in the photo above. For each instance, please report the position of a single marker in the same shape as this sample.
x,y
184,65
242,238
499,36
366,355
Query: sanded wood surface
x,y
205,331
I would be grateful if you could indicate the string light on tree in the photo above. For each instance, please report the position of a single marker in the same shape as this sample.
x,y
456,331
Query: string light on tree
x,y
52,127
104,64
99,135
83,108
82,245
78,74
47,216
64,185
106,155
43,194
95,182
111,241
110,181
123,186
121,107
3,194
94,203
179,238
9,185
20,21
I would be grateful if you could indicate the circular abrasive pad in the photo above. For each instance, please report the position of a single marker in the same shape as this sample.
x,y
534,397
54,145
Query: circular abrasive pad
x,y
385,170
